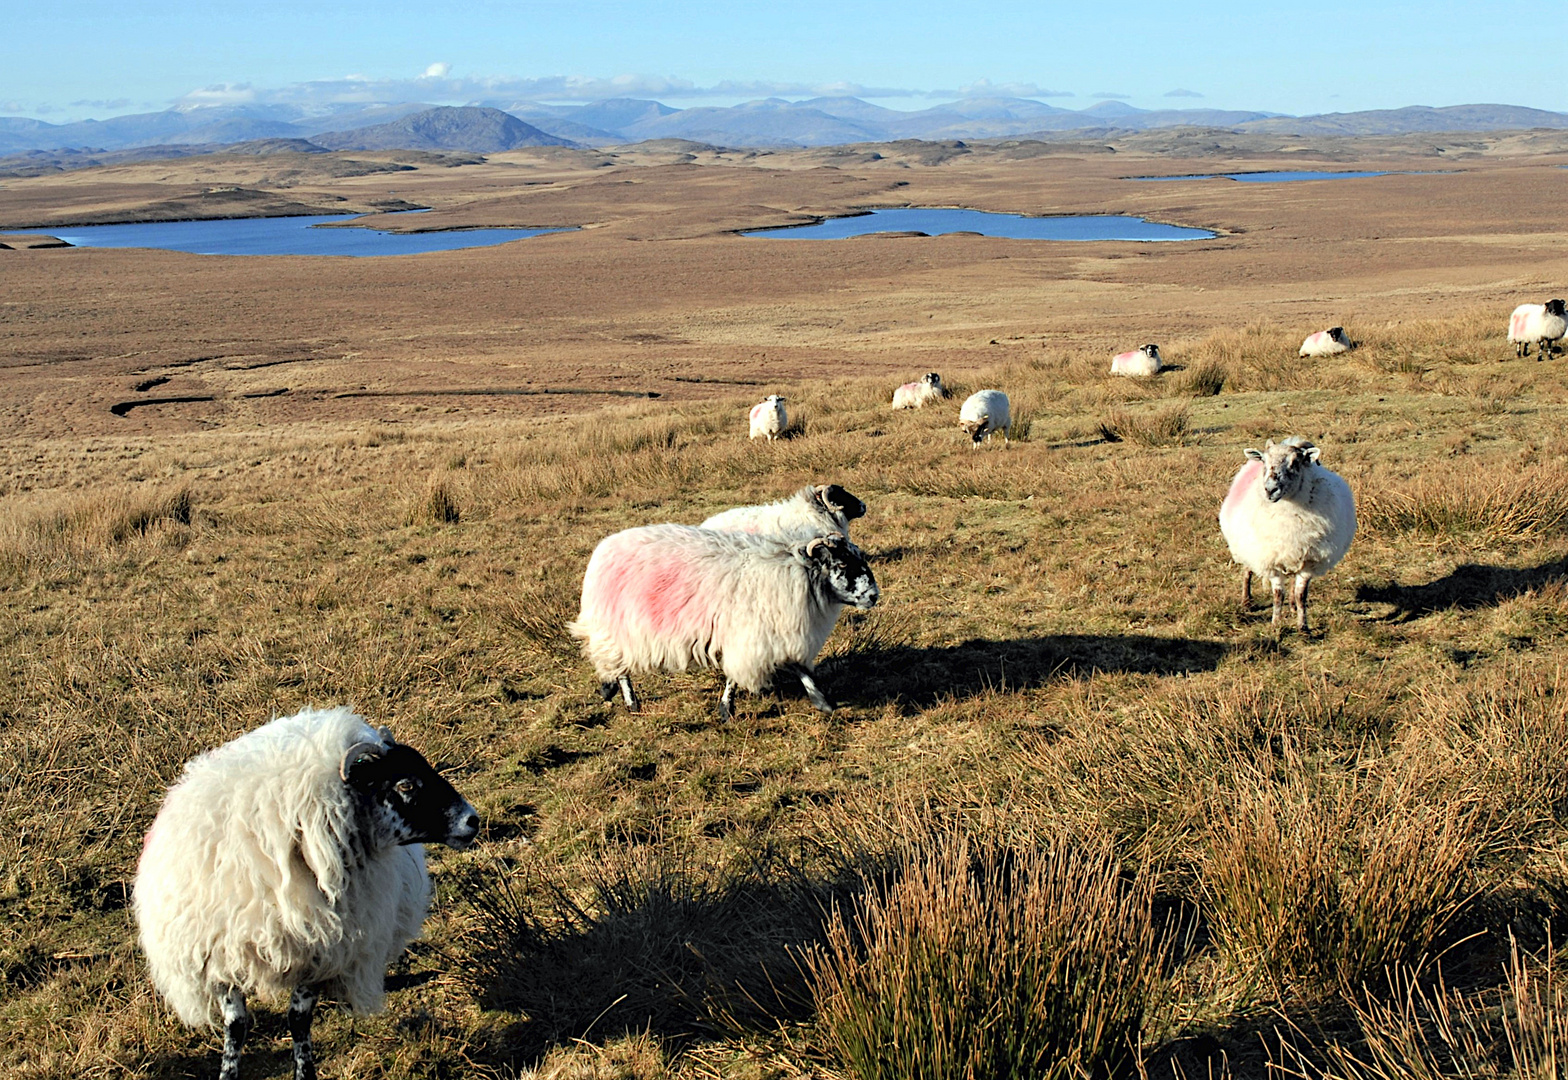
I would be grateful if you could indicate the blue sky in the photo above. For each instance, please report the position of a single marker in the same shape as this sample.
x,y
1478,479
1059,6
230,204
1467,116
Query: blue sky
x,y
68,60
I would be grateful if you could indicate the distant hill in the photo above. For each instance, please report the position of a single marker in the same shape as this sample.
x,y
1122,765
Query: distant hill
x,y
1415,118
475,129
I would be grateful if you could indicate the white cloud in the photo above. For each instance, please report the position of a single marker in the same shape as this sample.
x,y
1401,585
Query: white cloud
x,y
1182,93
438,70
1110,96
987,88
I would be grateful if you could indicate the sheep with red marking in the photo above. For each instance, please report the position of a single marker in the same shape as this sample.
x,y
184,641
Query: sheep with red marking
x,y
1142,361
917,395
672,597
1326,342
768,419
291,861
1538,324
1289,519
814,510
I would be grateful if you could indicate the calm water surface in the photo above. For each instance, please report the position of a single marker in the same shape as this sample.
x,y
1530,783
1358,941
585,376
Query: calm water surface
x,y
1281,177
935,222
282,236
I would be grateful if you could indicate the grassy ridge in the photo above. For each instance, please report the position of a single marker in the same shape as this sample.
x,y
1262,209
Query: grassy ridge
x,y
1057,666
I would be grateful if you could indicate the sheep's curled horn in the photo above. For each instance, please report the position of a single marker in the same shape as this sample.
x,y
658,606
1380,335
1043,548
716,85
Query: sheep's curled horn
x,y
366,748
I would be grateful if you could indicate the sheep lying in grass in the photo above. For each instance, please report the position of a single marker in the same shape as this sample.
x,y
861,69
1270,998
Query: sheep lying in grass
x,y
1144,360
290,861
1287,518
814,510
768,419
985,412
669,597
915,395
1326,342
1537,324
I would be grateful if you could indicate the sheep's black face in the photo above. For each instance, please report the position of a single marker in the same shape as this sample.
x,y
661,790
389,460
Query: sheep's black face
x,y
845,571
836,498
408,800
1556,307
1285,468
933,380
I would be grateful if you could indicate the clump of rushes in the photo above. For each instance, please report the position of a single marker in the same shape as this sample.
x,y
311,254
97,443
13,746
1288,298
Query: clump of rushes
x,y
1206,379
439,504
975,959
1168,427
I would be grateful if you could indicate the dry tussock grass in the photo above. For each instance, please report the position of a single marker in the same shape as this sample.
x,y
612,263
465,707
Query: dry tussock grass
x,y
1058,653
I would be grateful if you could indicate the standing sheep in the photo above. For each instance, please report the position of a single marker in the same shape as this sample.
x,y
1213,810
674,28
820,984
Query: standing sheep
x,y
1144,360
1540,324
290,861
1287,518
986,411
768,418
669,597
915,395
814,510
1326,342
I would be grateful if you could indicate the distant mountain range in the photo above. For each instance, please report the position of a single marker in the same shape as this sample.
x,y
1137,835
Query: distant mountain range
x,y
494,126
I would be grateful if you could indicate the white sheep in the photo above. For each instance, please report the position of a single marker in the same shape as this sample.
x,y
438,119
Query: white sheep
x,y
289,861
669,597
984,412
1326,342
768,419
1538,324
1144,360
916,395
1287,518
814,510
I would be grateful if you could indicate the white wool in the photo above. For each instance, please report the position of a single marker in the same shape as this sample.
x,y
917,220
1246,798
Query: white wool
x,y
1325,343
247,876
985,412
916,395
768,418
1532,324
1144,360
1306,533
769,607
801,516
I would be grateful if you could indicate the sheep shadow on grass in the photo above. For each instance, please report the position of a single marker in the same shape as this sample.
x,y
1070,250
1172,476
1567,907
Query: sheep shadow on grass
x,y
1469,587
922,676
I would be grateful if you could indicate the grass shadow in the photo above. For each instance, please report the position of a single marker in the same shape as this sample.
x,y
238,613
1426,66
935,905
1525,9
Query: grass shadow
x,y
1468,588
922,676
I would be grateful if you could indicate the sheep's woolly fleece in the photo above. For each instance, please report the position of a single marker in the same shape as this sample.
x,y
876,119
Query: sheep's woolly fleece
x,y
247,877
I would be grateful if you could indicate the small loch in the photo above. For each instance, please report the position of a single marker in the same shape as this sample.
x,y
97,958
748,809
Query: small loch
x,y
282,236
933,221
1276,177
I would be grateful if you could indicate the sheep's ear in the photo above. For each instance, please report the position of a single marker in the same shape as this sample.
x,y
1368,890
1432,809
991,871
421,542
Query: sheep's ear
x,y
386,736
358,754
1268,446
1254,455
1312,452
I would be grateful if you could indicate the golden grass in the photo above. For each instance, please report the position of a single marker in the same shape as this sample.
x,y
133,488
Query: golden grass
x,y
1057,653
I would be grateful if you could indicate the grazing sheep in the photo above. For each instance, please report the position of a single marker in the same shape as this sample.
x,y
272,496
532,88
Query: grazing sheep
x,y
669,597
1540,324
1326,342
985,411
768,419
915,395
1144,360
290,861
1287,518
814,510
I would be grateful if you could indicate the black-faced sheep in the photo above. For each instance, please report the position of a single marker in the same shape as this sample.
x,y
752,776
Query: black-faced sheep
x,y
915,395
671,597
1538,324
984,412
1144,360
290,861
1288,519
1326,342
814,510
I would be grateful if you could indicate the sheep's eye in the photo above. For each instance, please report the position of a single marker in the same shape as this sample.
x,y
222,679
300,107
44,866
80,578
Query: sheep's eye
x,y
406,786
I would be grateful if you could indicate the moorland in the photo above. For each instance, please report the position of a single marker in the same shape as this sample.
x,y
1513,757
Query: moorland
x,y
234,487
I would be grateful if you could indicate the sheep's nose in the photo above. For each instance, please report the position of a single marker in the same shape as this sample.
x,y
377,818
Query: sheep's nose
x,y
465,826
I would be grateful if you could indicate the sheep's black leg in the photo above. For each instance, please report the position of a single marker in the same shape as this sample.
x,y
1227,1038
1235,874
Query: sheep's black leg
x,y
1300,601
1246,590
236,1025
813,691
608,690
629,694
302,1009
725,713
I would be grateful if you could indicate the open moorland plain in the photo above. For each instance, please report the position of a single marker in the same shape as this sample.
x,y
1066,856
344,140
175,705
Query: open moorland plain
x,y
1076,814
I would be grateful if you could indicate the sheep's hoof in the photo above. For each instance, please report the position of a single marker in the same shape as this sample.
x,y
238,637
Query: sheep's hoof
x,y
608,690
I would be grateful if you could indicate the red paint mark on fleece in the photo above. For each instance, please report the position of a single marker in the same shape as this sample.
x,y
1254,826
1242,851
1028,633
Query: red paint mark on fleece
x,y
1127,355
659,594
1516,323
910,386
1314,340
1246,478
756,410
